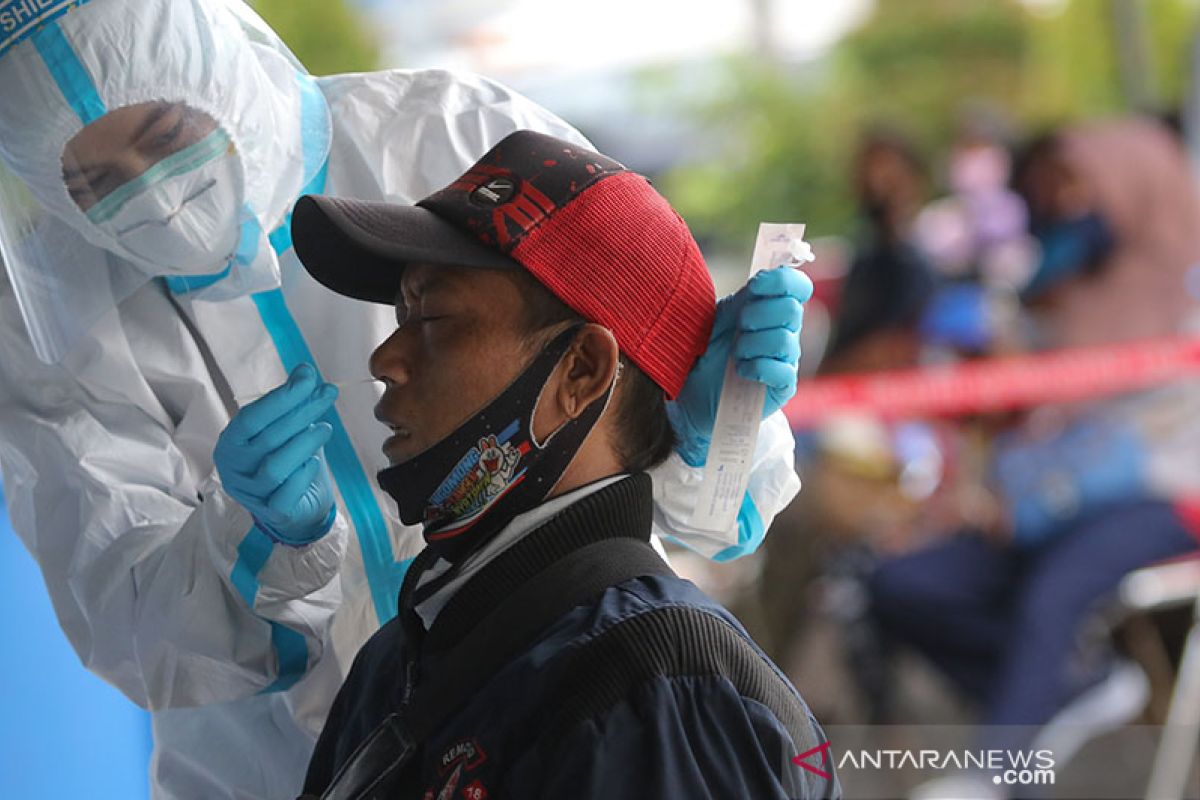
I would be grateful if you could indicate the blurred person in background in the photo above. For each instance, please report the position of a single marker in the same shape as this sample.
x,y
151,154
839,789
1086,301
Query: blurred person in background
x,y
150,289
1089,492
933,282
977,241
867,479
977,232
889,281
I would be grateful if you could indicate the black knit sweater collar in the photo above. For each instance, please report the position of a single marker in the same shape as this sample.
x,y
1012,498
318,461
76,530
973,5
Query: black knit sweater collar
x,y
624,509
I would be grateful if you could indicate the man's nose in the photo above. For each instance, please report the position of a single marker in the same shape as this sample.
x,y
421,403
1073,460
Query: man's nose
x,y
390,363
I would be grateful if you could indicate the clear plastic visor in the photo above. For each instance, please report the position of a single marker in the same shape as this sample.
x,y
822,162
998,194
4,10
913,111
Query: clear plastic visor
x,y
130,173
127,149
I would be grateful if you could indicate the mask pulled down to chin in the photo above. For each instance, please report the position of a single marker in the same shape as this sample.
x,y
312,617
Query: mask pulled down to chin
x,y
472,483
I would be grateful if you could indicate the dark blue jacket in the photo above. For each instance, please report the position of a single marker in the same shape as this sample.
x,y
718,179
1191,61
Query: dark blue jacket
x,y
648,689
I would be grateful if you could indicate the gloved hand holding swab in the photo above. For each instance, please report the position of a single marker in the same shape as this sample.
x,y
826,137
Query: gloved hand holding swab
x,y
249,398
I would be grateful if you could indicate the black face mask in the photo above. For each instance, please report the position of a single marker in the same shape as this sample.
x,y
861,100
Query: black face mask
x,y
468,486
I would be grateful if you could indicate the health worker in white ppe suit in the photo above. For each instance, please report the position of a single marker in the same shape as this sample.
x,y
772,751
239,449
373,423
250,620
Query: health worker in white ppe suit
x,y
154,150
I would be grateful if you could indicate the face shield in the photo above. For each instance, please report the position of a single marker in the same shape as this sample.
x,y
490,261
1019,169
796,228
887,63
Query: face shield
x,y
257,31
147,139
161,185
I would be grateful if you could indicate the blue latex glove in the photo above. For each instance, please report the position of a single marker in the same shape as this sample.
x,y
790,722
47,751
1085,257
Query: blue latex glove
x,y
761,325
269,460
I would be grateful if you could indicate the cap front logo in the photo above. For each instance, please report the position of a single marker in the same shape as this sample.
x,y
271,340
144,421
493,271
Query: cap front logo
x,y
493,193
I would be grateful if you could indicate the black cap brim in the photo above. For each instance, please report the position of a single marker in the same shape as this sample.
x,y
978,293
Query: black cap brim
x,y
360,249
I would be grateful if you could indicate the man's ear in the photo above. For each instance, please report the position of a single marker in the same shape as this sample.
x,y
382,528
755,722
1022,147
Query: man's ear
x,y
588,369
584,374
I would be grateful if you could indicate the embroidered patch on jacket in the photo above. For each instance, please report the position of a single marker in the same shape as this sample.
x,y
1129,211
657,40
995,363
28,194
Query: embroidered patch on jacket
x,y
465,753
474,791
447,791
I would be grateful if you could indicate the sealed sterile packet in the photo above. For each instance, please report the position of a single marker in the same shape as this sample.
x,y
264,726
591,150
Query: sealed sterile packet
x,y
739,414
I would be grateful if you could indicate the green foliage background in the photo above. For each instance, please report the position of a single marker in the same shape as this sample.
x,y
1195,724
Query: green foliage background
x,y
329,36
779,138
787,133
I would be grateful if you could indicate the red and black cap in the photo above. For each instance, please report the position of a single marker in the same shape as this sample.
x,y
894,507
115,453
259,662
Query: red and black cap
x,y
595,234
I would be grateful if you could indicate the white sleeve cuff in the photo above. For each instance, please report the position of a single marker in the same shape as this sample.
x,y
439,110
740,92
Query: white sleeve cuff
x,y
262,571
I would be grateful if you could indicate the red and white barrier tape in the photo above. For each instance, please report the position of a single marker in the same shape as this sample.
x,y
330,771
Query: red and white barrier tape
x,y
998,384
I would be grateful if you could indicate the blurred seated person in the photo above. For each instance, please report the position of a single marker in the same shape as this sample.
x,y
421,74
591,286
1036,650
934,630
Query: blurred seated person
x,y
1091,491
869,480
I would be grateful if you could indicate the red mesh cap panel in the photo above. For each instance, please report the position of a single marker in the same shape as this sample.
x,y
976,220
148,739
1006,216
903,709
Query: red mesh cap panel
x,y
620,256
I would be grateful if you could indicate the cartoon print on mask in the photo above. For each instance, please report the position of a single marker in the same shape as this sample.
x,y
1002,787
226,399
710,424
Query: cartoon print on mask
x,y
484,474
467,487
498,462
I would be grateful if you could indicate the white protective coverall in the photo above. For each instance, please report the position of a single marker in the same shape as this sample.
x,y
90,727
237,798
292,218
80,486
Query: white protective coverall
x,y
116,379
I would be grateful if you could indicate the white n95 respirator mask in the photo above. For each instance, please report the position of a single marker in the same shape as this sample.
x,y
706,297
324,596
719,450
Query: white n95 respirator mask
x,y
182,216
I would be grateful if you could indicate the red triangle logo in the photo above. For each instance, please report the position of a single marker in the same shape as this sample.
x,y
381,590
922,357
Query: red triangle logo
x,y
823,749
